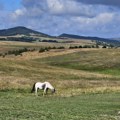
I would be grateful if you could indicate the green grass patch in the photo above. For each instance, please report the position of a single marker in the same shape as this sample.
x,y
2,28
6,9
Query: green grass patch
x,y
19,106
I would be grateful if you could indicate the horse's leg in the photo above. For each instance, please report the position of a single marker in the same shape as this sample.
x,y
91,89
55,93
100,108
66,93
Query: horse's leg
x,y
36,92
44,92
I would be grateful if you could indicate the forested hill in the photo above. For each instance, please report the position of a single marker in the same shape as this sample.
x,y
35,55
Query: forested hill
x,y
111,41
20,30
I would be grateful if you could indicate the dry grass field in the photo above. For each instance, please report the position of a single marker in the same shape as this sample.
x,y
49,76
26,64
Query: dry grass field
x,y
71,71
87,82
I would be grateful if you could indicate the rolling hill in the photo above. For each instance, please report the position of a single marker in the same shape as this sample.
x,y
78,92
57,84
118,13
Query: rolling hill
x,y
20,30
24,34
109,41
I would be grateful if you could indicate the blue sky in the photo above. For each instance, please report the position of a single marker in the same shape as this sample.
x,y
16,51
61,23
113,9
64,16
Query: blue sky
x,y
11,5
82,17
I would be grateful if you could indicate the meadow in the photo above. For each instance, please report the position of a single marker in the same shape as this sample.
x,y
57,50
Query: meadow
x,y
23,106
87,82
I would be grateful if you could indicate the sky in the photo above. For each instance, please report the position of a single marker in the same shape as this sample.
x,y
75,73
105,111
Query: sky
x,y
100,18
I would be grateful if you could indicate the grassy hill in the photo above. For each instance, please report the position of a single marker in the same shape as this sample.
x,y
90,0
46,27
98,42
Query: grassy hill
x,y
91,68
87,82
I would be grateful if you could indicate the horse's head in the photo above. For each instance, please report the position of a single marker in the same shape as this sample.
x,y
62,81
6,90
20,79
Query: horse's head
x,y
49,86
53,90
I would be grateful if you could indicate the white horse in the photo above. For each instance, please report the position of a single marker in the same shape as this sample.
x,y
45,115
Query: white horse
x,y
43,86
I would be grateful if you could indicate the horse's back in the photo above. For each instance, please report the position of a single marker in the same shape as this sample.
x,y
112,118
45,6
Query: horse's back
x,y
47,83
39,85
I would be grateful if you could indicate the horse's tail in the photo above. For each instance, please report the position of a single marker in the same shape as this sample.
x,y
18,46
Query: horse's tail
x,y
33,88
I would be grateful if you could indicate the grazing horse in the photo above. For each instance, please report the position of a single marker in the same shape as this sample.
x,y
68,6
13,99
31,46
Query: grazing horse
x,y
43,86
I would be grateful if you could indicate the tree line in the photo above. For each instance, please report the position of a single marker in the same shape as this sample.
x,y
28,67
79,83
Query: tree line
x,y
44,49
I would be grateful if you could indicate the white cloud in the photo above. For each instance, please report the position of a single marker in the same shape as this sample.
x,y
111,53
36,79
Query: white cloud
x,y
69,7
102,2
57,16
57,7
18,13
101,19
104,18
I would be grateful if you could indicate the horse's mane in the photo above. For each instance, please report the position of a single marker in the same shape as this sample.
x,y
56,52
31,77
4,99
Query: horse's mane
x,y
33,88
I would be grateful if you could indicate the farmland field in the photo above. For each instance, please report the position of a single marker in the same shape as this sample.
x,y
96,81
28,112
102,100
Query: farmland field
x,y
87,82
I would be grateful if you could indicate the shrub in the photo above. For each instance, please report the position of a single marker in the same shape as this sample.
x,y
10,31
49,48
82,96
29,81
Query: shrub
x,y
42,50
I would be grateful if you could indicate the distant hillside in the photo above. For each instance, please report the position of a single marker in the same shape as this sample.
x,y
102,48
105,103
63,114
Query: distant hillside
x,y
30,35
64,35
115,39
81,37
20,31
110,41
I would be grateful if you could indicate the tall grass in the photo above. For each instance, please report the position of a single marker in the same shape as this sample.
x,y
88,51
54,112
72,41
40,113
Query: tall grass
x,y
103,61
66,70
